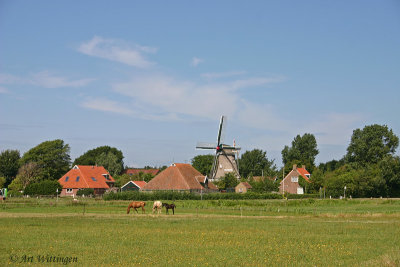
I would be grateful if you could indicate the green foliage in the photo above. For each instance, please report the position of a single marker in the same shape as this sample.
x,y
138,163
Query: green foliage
x,y
317,181
43,188
264,185
110,162
86,192
52,158
331,165
2,181
16,185
303,151
28,173
303,183
203,163
173,195
256,163
9,164
228,181
120,180
390,170
91,156
371,144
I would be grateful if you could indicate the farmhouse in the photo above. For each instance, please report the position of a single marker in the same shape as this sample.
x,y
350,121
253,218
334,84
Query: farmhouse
x,y
81,176
243,187
133,186
180,177
290,183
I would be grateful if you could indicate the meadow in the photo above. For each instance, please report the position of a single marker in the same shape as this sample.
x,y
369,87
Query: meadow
x,y
308,232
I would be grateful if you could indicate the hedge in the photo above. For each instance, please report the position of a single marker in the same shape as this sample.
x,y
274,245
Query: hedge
x,y
171,195
43,188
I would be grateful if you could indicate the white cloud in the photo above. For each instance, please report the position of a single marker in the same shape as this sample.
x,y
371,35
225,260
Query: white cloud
x,y
116,50
196,61
103,104
164,94
43,79
47,80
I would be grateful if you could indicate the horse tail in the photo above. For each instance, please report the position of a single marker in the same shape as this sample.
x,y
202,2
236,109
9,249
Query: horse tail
x,y
128,210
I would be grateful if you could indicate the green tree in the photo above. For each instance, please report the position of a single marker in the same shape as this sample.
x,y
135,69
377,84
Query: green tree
x,y
2,181
110,162
52,157
264,185
256,163
9,164
390,169
371,144
203,163
228,181
302,152
28,173
90,157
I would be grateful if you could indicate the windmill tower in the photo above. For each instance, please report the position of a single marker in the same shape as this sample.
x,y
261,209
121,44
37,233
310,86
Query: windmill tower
x,y
225,160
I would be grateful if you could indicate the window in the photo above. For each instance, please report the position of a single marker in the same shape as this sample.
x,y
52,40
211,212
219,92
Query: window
x,y
77,178
69,190
107,177
94,179
295,179
66,179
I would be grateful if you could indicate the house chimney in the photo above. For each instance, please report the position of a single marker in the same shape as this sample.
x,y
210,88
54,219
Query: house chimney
x,y
304,166
294,167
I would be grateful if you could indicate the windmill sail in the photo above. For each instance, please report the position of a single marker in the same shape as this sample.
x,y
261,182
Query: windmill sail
x,y
225,160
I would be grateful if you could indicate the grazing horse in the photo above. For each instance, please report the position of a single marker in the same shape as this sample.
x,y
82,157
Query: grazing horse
x,y
135,205
157,205
169,206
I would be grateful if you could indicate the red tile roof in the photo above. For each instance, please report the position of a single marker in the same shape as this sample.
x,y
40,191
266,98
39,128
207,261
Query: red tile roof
x,y
178,176
303,172
89,177
140,184
137,171
247,185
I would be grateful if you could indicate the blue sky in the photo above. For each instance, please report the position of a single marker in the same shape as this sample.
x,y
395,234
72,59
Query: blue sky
x,y
153,79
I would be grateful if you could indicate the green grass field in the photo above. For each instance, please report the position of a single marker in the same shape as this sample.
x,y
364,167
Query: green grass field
x,y
45,232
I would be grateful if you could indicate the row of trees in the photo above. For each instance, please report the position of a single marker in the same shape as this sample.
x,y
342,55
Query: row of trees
x,y
49,161
370,167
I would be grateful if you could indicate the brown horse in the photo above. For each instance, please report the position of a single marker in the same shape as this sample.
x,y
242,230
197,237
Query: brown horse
x,y
135,205
169,206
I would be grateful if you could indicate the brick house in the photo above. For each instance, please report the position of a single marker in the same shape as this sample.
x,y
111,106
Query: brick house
x,y
290,183
81,176
243,187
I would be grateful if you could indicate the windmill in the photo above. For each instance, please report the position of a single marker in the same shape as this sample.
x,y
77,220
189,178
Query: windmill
x,y
225,159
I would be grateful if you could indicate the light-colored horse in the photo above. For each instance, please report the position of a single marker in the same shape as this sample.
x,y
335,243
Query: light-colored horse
x,y
157,206
135,205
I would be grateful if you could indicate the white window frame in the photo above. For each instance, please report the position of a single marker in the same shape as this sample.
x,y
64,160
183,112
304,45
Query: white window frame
x,y
69,190
295,179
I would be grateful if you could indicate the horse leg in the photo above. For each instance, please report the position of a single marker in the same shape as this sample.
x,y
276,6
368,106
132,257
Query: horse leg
x,y
136,210
173,211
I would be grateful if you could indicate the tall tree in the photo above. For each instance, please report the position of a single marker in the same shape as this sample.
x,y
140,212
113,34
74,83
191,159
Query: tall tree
x,y
9,164
28,173
52,158
203,163
302,152
90,157
371,144
256,163
110,162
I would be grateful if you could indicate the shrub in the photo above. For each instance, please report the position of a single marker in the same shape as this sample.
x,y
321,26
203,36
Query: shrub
x,y
86,192
43,188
